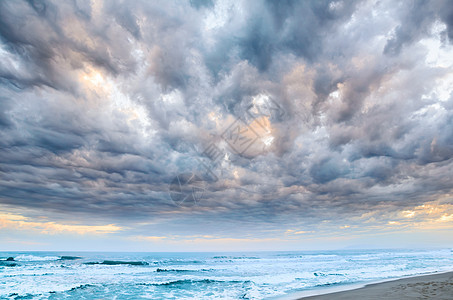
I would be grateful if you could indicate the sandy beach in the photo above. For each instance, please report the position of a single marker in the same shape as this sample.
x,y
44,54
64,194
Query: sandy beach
x,y
436,286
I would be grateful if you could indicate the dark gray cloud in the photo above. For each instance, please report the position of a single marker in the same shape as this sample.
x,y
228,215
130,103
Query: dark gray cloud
x,y
415,23
103,104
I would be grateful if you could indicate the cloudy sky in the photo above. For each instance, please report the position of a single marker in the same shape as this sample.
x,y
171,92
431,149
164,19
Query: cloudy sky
x,y
225,125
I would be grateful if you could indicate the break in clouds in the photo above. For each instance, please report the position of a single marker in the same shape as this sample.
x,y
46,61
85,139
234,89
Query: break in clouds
x,y
348,105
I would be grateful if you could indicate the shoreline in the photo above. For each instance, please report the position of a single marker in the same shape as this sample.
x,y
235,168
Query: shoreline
x,y
436,285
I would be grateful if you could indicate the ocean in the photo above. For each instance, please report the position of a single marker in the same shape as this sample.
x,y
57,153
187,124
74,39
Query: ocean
x,y
251,275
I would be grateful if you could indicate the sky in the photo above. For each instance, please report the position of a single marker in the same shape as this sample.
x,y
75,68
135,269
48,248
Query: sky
x,y
225,125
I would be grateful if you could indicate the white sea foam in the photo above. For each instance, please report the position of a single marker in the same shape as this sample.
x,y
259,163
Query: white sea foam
x,y
25,257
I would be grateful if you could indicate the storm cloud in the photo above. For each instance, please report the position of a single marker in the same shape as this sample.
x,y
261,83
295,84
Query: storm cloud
x,y
348,109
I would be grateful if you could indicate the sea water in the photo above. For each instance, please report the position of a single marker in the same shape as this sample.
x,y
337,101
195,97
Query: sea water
x,y
260,275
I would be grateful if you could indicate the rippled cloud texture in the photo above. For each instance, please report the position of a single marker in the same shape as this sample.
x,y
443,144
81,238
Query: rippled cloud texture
x,y
103,103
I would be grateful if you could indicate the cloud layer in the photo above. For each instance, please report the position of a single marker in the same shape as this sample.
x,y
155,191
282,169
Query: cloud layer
x,y
104,103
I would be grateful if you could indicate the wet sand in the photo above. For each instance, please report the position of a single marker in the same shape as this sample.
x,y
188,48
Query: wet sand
x,y
436,286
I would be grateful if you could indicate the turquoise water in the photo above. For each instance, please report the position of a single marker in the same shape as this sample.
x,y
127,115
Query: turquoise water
x,y
260,275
